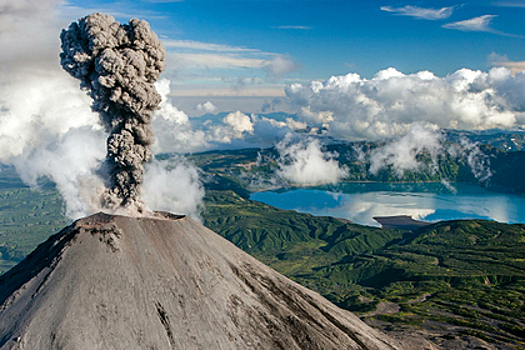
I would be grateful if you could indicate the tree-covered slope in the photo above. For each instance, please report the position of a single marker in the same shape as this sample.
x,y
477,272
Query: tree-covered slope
x,y
27,217
452,280
294,241
508,171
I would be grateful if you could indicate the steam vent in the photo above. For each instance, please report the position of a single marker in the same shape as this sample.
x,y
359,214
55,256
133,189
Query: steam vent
x,y
165,282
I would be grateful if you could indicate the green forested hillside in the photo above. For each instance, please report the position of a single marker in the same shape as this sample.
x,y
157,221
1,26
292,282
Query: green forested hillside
x,y
508,171
467,278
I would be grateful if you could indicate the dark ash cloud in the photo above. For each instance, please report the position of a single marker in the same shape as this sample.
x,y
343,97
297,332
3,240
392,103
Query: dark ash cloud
x,y
117,65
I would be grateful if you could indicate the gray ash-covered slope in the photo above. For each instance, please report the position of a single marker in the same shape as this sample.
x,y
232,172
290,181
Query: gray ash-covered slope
x,y
166,282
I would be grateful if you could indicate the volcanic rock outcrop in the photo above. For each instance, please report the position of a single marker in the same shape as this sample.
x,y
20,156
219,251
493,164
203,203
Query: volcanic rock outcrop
x,y
164,282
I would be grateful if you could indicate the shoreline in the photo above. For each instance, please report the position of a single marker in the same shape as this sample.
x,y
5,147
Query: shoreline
x,y
494,189
361,201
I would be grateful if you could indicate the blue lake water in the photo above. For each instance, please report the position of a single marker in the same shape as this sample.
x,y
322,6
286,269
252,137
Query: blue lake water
x,y
360,202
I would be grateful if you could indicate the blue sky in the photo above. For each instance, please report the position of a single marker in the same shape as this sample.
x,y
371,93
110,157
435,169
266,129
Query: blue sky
x,y
242,53
318,39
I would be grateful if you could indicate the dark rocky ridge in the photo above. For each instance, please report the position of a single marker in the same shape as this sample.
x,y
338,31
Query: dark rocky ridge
x,y
165,282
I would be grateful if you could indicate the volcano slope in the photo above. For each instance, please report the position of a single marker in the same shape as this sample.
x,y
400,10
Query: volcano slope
x,y
163,282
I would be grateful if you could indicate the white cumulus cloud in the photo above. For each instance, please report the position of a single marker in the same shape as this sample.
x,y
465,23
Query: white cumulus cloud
x,y
389,104
240,122
173,130
167,110
206,107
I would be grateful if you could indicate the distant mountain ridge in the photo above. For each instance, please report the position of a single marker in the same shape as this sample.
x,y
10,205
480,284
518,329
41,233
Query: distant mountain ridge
x,y
239,170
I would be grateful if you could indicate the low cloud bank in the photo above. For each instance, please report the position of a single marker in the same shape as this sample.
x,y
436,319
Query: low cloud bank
x,y
422,149
389,104
174,186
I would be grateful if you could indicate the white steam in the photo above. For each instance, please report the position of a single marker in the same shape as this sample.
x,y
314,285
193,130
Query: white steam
x,y
174,186
74,176
38,107
388,105
402,154
303,162
478,162
46,126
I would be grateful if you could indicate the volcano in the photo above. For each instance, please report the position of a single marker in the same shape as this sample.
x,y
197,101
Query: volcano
x,y
163,282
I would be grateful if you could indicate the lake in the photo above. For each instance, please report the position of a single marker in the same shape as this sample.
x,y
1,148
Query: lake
x,y
360,202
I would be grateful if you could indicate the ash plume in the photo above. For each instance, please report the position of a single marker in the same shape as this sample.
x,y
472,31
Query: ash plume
x,y
117,65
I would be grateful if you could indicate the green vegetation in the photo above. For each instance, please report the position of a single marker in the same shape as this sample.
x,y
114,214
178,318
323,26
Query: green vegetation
x,y
27,217
507,171
293,243
254,168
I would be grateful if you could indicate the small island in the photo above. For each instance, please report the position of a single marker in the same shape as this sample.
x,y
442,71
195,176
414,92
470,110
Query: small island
x,y
402,222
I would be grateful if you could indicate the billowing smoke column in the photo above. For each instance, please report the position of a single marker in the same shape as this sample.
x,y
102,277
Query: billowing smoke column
x,y
117,64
